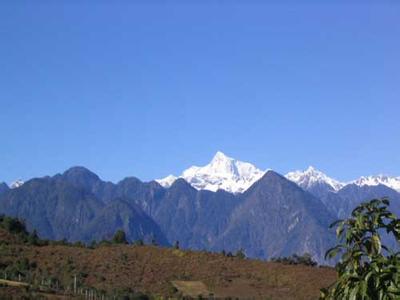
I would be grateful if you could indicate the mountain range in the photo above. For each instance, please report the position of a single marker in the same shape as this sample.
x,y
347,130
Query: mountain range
x,y
225,205
224,172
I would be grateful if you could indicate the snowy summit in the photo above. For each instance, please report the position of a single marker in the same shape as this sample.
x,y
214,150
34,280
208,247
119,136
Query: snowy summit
x,y
312,177
222,172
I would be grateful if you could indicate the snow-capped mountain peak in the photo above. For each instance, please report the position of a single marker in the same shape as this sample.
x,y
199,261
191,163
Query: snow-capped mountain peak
x,y
222,164
16,184
392,182
312,177
223,172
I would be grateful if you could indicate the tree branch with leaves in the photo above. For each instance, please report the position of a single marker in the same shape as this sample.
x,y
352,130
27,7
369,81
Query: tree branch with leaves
x,y
367,268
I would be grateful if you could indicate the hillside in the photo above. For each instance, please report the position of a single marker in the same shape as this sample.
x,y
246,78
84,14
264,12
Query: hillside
x,y
117,270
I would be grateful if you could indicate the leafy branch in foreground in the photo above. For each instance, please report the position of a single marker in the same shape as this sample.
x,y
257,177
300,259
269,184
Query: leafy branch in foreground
x,y
367,269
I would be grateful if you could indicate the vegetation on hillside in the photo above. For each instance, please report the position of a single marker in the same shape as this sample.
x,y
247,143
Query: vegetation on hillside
x,y
136,271
295,259
368,270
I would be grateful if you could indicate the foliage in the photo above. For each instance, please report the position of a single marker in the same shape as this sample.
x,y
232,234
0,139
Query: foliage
x,y
367,269
13,225
305,259
120,237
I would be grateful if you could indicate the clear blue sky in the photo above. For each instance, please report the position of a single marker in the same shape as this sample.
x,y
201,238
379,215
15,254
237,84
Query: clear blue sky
x,y
135,89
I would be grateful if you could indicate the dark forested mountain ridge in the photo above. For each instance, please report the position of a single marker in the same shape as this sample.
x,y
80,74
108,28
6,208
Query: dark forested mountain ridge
x,y
274,217
66,206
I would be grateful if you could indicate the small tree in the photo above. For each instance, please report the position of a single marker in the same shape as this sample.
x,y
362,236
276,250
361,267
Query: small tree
x,y
120,237
176,246
139,242
240,254
93,244
367,270
33,238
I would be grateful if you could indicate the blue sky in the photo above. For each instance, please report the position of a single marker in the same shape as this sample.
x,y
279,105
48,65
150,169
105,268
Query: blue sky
x,y
140,89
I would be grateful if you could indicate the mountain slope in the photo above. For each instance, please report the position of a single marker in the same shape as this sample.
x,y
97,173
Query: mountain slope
x,y
276,218
352,195
53,207
194,218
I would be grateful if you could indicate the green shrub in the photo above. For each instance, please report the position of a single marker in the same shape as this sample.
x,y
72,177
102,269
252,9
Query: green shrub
x,y
120,237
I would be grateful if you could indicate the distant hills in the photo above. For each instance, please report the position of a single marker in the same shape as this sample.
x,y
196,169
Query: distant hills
x,y
272,217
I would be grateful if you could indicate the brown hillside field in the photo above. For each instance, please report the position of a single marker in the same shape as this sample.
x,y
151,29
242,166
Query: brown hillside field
x,y
152,270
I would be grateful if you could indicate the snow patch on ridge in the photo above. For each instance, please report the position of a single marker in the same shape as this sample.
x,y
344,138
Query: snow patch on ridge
x,y
167,181
16,184
392,182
